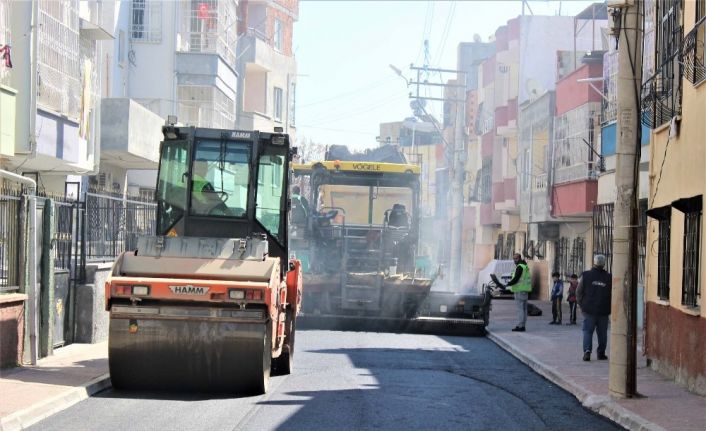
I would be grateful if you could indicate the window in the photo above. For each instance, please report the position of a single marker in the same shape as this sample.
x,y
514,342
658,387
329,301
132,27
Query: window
x,y
292,103
499,247
277,108
278,37
691,290
121,47
526,170
663,216
270,190
171,200
603,232
486,187
220,178
146,21
693,47
661,94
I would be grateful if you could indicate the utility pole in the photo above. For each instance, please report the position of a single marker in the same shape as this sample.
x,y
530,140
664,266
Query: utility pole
x,y
455,161
627,26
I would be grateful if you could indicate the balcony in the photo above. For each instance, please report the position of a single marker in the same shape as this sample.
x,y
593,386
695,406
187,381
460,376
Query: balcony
x,y
129,134
97,19
574,199
577,172
661,94
693,54
488,216
255,47
209,27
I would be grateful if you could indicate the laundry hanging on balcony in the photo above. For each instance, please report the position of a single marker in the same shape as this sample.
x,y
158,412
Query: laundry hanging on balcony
x,y
5,55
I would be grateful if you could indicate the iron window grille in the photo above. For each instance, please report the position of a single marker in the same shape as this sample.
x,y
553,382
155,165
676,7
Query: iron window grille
x,y
146,21
663,257
693,51
641,241
486,188
663,216
691,289
603,232
561,255
661,93
509,246
499,247
577,258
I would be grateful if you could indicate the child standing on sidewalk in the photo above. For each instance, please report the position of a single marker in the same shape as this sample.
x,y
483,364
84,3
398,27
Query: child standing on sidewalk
x,y
571,297
557,296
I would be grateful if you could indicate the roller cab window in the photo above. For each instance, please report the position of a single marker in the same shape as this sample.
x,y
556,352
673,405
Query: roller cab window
x,y
270,192
220,176
172,183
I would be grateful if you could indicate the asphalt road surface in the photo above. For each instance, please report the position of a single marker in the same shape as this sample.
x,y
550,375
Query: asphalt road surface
x,y
359,381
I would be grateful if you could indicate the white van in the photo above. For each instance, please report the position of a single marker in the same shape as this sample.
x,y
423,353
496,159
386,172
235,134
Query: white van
x,y
503,269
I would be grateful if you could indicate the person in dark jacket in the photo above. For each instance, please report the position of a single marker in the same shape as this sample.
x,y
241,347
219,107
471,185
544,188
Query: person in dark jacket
x,y
594,296
571,298
557,295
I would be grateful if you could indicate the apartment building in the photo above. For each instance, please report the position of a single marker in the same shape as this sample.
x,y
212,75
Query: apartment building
x,y
51,94
673,103
167,58
521,77
266,65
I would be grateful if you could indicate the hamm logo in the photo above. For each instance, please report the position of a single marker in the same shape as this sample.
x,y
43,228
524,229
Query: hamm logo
x,y
189,290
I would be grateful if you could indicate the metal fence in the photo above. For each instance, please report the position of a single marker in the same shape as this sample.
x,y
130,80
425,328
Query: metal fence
x,y
113,223
10,239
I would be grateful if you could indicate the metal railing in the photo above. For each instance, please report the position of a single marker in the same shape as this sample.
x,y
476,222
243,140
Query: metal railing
x,y
10,238
661,94
113,224
603,232
693,53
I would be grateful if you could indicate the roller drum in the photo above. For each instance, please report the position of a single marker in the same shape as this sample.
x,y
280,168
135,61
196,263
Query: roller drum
x,y
194,355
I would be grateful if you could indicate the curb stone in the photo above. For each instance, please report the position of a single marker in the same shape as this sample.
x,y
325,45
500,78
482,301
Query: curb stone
x,y
25,418
601,404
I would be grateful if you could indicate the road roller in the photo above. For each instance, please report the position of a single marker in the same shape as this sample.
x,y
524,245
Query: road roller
x,y
210,302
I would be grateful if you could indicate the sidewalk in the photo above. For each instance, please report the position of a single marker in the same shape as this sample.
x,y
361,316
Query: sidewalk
x,y
30,394
555,352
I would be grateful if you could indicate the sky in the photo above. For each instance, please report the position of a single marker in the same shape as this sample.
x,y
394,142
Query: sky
x,y
344,49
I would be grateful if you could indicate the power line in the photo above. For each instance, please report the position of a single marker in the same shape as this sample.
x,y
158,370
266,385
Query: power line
x,y
355,93
338,130
445,32
361,112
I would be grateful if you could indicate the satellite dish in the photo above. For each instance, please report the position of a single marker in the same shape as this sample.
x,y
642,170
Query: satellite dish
x,y
534,88
477,38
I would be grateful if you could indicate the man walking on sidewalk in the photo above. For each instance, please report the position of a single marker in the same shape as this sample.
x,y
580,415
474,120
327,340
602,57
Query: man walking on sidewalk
x,y
594,295
521,286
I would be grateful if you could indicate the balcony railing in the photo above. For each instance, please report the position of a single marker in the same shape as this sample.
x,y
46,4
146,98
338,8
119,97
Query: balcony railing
x,y
661,94
579,172
540,182
693,53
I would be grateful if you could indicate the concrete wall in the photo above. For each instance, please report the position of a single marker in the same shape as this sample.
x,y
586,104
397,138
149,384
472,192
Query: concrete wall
x,y
130,134
11,329
7,121
152,76
91,317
